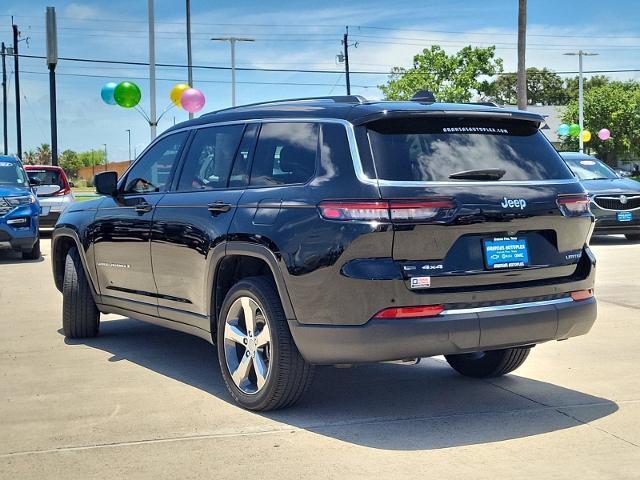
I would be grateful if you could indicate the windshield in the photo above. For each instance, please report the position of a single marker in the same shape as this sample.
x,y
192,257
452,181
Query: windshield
x,y
588,168
411,149
12,174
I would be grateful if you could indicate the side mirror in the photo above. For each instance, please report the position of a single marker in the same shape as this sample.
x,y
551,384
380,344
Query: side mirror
x,y
34,182
72,185
106,183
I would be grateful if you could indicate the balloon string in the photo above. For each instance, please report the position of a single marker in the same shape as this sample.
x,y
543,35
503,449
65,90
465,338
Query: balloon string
x,y
166,109
143,113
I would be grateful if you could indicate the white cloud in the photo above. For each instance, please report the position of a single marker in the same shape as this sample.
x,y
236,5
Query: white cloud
x,y
79,11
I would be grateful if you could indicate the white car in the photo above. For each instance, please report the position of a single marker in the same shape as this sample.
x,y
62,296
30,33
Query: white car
x,y
53,191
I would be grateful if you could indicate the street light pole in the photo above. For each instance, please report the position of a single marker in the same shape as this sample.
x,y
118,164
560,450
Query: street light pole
x,y
232,41
153,123
581,54
129,132
4,100
189,58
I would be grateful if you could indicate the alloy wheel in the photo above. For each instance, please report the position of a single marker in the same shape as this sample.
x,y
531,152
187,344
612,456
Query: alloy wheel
x,y
247,345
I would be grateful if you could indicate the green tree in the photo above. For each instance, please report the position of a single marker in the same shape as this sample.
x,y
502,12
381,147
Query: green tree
x,y
29,157
615,106
571,85
92,157
70,163
544,87
451,78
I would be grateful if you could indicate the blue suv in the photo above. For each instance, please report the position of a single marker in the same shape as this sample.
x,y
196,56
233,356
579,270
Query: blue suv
x,y
19,210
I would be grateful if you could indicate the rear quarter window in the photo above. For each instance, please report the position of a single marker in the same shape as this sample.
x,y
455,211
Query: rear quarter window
x,y
432,149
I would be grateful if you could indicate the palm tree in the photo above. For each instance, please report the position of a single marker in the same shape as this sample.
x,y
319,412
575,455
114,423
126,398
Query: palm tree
x,y
29,157
522,43
43,154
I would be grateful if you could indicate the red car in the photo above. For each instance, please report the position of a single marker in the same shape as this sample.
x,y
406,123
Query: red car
x,y
53,190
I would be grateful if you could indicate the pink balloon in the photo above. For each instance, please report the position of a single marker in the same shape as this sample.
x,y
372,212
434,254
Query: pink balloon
x,y
604,134
192,100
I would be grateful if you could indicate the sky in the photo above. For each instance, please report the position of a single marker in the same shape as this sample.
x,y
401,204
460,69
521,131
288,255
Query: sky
x,y
288,35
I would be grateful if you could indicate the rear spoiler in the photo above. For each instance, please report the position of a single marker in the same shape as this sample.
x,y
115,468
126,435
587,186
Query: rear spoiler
x,y
493,113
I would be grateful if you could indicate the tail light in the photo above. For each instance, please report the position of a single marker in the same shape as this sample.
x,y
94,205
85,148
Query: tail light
x,y
574,205
410,312
64,191
382,210
582,294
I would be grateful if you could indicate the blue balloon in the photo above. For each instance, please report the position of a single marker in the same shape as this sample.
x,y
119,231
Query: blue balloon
x,y
563,130
107,93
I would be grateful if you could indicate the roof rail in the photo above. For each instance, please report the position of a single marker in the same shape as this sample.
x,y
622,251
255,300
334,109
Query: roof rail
x,y
335,99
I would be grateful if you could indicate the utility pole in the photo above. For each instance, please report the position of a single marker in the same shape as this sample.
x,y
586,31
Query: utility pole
x,y
16,68
345,44
522,47
232,41
153,122
4,101
581,54
52,61
189,58
129,132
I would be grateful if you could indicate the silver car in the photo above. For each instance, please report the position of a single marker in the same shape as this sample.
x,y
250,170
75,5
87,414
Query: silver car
x,y
53,191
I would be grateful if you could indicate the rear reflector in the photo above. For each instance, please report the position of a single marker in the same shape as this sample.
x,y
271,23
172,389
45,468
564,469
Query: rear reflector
x,y
574,205
410,312
381,210
582,294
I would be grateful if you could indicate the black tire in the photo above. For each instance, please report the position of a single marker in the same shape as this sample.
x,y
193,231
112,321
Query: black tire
x,y
34,253
634,237
492,363
80,316
290,375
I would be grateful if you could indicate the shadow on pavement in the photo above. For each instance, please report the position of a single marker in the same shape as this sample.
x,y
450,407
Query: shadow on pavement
x,y
384,406
612,240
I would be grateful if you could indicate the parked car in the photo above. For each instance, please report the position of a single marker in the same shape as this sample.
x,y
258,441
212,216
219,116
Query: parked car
x,y
338,231
53,191
19,210
615,201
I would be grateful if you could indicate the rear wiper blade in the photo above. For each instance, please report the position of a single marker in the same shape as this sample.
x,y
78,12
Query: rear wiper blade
x,y
479,174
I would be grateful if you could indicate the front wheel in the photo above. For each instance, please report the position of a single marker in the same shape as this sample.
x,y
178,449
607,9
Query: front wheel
x,y
80,316
492,363
634,237
261,365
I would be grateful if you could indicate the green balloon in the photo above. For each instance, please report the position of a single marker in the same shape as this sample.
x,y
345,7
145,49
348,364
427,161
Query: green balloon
x,y
127,94
574,129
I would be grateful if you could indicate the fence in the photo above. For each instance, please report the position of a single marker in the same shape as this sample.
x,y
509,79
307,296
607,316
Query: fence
x,y
87,173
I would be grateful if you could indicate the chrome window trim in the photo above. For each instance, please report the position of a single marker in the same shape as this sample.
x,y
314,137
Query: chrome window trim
x,y
355,155
513,306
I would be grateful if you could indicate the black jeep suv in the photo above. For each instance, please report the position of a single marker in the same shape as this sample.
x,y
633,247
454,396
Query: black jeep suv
x,y
338,231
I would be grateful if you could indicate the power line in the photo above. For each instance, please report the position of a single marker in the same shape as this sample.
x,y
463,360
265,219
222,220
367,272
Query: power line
x,y
290,70
336,26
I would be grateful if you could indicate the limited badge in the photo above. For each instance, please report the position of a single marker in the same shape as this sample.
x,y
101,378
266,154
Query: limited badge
x,y
420,282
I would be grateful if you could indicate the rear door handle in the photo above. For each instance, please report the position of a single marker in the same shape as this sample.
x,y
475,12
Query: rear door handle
x,y
219,207
143,207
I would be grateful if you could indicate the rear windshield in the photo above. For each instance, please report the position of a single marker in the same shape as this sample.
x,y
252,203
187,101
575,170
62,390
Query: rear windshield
x,y
46,177
411,149
590,169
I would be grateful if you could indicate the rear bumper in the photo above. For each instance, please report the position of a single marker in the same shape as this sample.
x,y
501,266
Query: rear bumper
x,y
49,220
453,331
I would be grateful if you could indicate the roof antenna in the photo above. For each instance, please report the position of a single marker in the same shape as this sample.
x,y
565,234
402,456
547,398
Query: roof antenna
x,y
423,96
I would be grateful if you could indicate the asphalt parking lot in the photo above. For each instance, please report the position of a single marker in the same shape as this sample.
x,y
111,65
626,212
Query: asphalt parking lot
x,y
142,401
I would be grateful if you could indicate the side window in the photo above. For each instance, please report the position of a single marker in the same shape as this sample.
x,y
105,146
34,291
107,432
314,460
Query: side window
x,y
285,154
209,159
240,172
152,171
